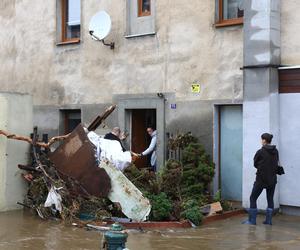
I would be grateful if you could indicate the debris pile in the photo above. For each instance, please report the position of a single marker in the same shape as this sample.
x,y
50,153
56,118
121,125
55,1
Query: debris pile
x,y
52,194
76,182
69,183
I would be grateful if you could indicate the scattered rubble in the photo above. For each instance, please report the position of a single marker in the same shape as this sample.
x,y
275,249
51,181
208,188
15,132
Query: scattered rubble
x,y
79,180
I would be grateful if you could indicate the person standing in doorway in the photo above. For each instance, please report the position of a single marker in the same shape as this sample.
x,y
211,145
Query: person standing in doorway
x,y
266,162
152,147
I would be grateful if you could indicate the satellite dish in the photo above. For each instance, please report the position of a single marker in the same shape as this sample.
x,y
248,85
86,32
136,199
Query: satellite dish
x,y
100,26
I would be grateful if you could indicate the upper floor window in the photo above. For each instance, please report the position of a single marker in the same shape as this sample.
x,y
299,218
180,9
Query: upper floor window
x,y
229,12
140,18
144,8
70,21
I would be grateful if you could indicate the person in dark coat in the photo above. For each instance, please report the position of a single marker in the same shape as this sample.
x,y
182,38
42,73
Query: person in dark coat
x,y
266,162
115,135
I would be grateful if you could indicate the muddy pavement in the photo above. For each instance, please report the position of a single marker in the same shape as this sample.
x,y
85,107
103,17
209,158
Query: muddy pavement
x,y
22,230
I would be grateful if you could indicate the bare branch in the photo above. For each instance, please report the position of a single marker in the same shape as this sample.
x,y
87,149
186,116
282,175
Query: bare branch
x,y
29,140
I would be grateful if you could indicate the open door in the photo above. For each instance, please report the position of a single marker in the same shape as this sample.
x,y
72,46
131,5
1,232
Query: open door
x,y
140,140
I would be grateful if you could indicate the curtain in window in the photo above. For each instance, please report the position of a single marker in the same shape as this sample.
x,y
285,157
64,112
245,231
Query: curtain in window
x,y
231,9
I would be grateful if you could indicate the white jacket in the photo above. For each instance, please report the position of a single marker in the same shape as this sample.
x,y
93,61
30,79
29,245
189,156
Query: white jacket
x,y
152,149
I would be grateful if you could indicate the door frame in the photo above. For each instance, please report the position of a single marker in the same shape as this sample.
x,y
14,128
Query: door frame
x,y
124,119
217,142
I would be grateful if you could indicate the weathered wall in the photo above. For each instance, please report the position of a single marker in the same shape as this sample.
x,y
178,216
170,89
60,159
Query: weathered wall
x,y
16,117
261,99
290,37
186,48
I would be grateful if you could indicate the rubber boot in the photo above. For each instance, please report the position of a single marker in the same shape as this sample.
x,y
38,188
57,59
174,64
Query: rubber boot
x,y
269,213
252,217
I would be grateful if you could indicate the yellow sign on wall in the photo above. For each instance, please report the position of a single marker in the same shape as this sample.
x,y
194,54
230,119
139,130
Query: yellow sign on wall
x,y
196,88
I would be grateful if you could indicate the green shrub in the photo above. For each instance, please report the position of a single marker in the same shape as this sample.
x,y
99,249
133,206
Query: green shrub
x,y
198,171
161,206
171,179
191,211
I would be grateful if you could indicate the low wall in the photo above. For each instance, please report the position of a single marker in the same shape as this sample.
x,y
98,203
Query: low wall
x,y
16,117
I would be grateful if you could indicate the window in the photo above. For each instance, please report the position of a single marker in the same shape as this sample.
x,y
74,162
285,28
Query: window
x,y
70,21
71,119
144,8
140,18
229,12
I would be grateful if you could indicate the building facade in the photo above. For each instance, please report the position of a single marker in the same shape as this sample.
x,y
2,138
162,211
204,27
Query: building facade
x,y
225,49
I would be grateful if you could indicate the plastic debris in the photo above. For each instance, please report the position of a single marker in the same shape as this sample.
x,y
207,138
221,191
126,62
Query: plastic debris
x,y
54,198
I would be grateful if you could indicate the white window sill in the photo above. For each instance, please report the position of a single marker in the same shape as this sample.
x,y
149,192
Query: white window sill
x,y
140,35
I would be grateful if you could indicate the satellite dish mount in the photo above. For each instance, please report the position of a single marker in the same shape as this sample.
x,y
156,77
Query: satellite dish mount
x,y
111,45
99,28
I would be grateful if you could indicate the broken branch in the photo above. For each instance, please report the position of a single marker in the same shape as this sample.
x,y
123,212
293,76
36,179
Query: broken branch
x,y
29,140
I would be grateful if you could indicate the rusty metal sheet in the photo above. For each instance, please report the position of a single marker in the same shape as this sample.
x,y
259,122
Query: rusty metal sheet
x,y
75,158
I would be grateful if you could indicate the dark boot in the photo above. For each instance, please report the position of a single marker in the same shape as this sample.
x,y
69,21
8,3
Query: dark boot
x,y
252,217
269,213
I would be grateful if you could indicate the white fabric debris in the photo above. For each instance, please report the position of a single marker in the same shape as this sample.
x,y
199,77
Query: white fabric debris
x,y
110,150
54,198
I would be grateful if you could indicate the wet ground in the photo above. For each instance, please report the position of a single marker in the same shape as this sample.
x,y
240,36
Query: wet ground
x,y
21,230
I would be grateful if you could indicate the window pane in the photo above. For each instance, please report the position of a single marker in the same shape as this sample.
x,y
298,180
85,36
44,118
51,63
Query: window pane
x,y
146,6
73,19
231,9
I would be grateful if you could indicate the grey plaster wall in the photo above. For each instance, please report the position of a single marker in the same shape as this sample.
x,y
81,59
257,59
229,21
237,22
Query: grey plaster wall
x,y
15,117
262,32
261,99
49,118
186,48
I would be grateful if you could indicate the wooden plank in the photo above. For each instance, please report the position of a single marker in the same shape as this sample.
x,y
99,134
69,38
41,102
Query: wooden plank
x,y
100,118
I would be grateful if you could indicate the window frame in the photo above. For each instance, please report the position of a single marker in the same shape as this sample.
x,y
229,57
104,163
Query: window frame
x,y
64,39
140,9
226,22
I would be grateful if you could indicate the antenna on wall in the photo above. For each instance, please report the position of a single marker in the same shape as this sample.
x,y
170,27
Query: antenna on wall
x,y
99,28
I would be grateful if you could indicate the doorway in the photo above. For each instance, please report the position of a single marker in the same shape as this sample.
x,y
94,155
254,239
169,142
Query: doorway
x,y
140,140
71,119
231,151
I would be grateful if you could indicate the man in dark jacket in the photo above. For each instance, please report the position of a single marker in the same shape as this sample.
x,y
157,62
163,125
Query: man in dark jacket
x,y
266,162
115,135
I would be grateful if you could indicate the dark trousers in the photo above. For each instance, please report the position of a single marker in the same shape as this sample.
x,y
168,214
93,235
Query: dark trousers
x,y
256,191
153,168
